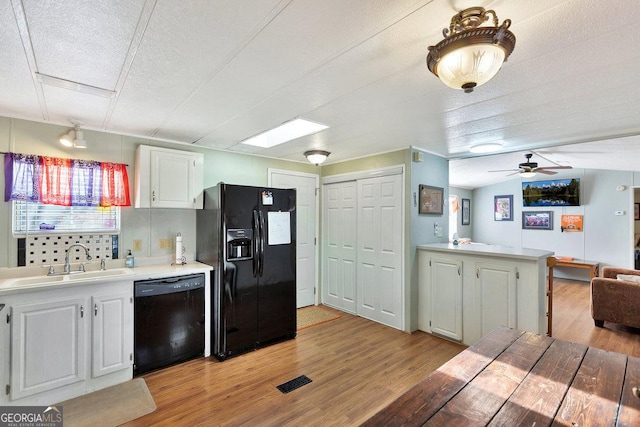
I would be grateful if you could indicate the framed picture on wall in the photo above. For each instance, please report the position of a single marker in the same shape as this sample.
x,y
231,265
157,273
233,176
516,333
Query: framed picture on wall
x,y
537,220
431,200
466,211
503,208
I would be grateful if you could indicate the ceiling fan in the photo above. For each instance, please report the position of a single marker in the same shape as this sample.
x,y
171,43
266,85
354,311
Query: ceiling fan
x,y
528,169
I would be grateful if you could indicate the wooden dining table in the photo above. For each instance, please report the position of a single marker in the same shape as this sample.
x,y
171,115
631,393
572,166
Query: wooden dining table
x,y
517,378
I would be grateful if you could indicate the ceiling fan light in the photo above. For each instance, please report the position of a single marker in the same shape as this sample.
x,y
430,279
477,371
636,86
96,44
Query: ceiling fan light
x,y
527,174
317,157
470,55
489,147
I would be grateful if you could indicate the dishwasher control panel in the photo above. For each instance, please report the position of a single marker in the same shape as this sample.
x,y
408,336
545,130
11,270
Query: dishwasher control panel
x,y
143,288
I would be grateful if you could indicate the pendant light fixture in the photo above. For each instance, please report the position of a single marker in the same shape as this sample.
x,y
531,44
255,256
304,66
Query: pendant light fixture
x,y
316,157
470,55
74,138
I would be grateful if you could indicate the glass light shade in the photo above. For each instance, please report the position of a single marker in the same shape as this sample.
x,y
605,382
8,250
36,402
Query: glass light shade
x,y
317,157
470,64
527,174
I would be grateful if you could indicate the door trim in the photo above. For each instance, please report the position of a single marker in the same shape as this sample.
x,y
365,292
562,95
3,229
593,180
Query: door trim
x,y
270,172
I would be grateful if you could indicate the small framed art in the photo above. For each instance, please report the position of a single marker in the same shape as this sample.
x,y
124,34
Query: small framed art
x,y
466,211
431,200
537,220
503,208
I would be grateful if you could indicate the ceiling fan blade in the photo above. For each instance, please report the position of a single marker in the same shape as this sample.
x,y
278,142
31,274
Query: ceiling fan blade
x,y
555,167
546,172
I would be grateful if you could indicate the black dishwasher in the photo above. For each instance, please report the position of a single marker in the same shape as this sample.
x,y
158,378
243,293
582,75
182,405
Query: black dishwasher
x,y
168,321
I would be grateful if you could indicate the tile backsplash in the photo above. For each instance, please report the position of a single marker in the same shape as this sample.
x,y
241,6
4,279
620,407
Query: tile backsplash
x,y
50,249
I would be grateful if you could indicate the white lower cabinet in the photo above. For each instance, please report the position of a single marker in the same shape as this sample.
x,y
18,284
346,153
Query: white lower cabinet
x,y
464,296
47,346
68,342
496,295
446,297
111,333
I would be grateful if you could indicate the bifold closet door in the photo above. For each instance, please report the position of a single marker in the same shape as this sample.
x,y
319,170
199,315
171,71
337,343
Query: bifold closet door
x,y
379,255
339,245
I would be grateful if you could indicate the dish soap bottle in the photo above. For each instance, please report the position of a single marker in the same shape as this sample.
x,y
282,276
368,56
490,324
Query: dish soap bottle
x,y
128,261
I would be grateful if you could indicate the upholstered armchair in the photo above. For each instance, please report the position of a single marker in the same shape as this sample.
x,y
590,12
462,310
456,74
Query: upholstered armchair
x,y
614,300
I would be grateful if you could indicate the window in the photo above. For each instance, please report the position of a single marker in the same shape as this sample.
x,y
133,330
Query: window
x,y
38,218
453,216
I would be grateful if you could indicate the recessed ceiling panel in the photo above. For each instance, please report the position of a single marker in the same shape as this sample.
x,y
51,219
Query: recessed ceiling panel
x,y
19,97
82,41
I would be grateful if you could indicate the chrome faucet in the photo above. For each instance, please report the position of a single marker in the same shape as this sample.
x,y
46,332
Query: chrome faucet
x,y
67,265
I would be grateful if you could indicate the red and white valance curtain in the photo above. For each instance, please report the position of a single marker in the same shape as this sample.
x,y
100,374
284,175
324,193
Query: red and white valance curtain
x,y
65,182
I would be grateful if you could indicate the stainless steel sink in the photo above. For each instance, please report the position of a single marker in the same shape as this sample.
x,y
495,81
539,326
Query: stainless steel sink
x,y
89,276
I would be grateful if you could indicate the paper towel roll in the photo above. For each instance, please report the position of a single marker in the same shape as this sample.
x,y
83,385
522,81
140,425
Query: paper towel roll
x,y
179,249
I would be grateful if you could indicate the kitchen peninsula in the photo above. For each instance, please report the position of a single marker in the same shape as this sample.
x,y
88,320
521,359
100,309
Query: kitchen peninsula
x,y
465,291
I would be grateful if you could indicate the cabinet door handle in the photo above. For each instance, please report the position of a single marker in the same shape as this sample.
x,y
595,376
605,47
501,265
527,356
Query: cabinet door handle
x,y
95,309
81,311
153,196
458,271
477,273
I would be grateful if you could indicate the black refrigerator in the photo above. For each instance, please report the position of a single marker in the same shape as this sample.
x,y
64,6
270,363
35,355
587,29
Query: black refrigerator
x,y
248,235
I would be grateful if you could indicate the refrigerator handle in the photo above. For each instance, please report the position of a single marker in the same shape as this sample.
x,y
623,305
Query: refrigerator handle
x,y
256,244
262,238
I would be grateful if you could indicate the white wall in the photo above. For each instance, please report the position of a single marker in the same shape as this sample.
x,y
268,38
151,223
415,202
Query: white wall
x,y
607,238
147,225
433,171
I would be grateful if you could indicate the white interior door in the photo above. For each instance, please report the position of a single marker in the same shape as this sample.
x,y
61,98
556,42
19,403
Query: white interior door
x,y
306,229
380,236
339,225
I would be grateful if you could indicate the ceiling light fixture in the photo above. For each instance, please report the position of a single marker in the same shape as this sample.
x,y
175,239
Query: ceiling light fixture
x,y
74,138
470,55
317,157
287,131
527,174
489,147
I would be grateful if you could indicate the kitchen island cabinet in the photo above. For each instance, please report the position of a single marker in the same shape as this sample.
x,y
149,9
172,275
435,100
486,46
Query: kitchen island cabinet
x,y
466,291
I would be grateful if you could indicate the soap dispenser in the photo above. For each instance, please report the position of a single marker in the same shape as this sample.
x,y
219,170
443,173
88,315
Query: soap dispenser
x,y
128,261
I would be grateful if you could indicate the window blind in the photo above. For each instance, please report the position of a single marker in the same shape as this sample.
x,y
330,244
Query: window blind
x,y
37,218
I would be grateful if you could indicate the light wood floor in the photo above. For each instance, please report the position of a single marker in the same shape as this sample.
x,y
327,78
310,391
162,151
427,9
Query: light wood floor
x,y
357,368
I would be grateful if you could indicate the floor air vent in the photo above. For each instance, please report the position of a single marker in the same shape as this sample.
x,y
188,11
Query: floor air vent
x,y
294,384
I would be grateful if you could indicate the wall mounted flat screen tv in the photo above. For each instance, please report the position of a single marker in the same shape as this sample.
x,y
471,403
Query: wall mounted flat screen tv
x,y
557,192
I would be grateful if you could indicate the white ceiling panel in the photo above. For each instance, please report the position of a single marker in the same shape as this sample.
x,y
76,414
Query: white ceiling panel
x,y
90,39
215,72
19,97
185,46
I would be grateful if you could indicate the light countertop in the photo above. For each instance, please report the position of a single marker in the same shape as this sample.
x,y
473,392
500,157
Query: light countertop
x,y
146,268
488,250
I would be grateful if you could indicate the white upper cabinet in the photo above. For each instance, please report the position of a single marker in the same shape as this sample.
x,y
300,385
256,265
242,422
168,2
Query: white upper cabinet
x,y
166,178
